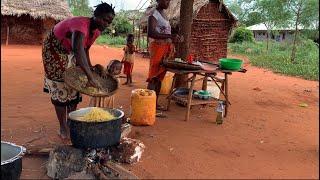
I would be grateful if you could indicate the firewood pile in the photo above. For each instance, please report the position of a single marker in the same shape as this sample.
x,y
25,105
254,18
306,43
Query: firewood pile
x,y
67,162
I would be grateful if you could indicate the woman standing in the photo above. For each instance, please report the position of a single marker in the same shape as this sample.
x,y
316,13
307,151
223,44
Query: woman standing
x,y
68,45
161,46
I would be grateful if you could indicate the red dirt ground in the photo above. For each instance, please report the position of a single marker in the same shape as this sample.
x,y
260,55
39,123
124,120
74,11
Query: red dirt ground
x,y
266,134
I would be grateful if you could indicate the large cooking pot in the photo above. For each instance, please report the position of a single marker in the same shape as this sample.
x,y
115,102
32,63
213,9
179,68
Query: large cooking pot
x,y
11,160
95,134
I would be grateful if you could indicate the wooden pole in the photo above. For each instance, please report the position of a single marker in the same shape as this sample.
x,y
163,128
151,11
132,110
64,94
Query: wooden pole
x,y
142,39
226,94
190,96
7,40
139,38
133,26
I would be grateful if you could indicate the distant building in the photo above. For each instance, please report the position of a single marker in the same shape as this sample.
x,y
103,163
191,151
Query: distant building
x,y
28,21
283,34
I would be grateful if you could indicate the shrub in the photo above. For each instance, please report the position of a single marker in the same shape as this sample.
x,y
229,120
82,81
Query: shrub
x,y
241,34
122,25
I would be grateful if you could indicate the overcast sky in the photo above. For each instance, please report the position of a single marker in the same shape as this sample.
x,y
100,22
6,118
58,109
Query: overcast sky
x,y
124,4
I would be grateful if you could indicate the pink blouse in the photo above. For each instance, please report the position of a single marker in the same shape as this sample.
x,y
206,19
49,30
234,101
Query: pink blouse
x,y
71,25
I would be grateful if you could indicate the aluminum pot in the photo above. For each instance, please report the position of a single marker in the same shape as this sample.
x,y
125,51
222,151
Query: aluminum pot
x,y
11,160
95,134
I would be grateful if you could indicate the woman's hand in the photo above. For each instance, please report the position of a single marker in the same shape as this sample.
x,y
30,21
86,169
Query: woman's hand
x,y
94,82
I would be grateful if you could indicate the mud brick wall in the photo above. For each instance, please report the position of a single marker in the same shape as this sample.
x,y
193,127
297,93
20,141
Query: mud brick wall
x,y
24,29
209,35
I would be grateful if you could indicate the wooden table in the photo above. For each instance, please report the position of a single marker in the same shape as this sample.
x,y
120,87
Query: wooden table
x,y
188,100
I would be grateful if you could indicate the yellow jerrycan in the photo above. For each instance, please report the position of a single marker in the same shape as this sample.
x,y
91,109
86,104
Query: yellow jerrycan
x,y
166,83
143,107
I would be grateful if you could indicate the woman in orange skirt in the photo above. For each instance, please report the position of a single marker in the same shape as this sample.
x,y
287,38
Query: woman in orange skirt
x,y
160,45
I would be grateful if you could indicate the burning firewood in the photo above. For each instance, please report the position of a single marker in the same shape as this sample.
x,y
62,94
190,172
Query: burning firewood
x,y
69,162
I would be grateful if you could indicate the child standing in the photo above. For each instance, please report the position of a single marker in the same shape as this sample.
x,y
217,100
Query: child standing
x,y
128,59
114,69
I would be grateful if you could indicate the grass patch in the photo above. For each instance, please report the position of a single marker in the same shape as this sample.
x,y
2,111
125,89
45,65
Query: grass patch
x,y
117,41
277,59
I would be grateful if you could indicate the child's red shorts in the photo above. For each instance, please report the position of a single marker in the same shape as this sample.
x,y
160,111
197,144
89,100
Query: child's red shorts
x,y
127,68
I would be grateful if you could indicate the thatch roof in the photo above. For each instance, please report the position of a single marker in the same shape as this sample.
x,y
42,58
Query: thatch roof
x,y
56,9
173,12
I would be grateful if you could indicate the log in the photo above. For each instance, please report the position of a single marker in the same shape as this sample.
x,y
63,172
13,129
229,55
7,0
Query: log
x,y
125,130
39,150
97,172
123,173
64,161
81,175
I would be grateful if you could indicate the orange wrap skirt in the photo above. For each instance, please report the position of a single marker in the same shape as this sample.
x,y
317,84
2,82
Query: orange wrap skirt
x,y
158,52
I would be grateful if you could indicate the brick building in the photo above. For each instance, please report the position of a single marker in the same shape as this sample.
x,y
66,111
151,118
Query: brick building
x,y
28,21
212,24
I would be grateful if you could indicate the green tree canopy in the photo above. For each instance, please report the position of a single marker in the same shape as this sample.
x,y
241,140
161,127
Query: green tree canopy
x,y
273,13
80,7
305,14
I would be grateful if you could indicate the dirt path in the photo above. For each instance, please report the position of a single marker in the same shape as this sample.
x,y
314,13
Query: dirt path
x,y
266,134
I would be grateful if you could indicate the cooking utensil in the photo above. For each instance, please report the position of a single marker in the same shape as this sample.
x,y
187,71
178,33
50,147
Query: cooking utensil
x,y
205,95
181,93
180,65
76,79
230,64
11,160
95,134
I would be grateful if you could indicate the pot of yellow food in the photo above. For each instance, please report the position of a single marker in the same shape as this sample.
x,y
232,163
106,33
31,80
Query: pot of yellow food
x,y
94,127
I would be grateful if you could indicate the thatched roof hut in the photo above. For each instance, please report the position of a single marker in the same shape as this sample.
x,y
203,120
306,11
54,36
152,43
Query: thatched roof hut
x,y
211,25
173,12
27,21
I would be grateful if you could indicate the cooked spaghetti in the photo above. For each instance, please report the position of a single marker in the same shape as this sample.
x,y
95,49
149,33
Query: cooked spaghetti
x,y
97,115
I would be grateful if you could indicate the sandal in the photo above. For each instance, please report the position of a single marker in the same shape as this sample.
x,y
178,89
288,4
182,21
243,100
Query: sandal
x,y
160,115
161,108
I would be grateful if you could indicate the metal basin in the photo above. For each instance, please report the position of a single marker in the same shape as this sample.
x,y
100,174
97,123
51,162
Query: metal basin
x,y
11,160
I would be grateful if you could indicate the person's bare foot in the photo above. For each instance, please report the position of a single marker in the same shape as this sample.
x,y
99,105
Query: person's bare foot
x,y
126,83
161,108
63,134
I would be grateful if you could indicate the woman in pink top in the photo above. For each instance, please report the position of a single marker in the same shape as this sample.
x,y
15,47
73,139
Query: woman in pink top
x,y
68,45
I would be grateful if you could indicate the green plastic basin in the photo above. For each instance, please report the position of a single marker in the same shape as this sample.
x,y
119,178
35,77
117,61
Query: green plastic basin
x,y
230,64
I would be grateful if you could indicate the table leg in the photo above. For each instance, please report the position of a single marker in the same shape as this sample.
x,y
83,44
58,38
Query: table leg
x,y
205,83
226,93
171,90
190,97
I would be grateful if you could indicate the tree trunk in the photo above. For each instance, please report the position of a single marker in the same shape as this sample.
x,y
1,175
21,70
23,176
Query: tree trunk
x,y
294,49
133,29
186,12
268,36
